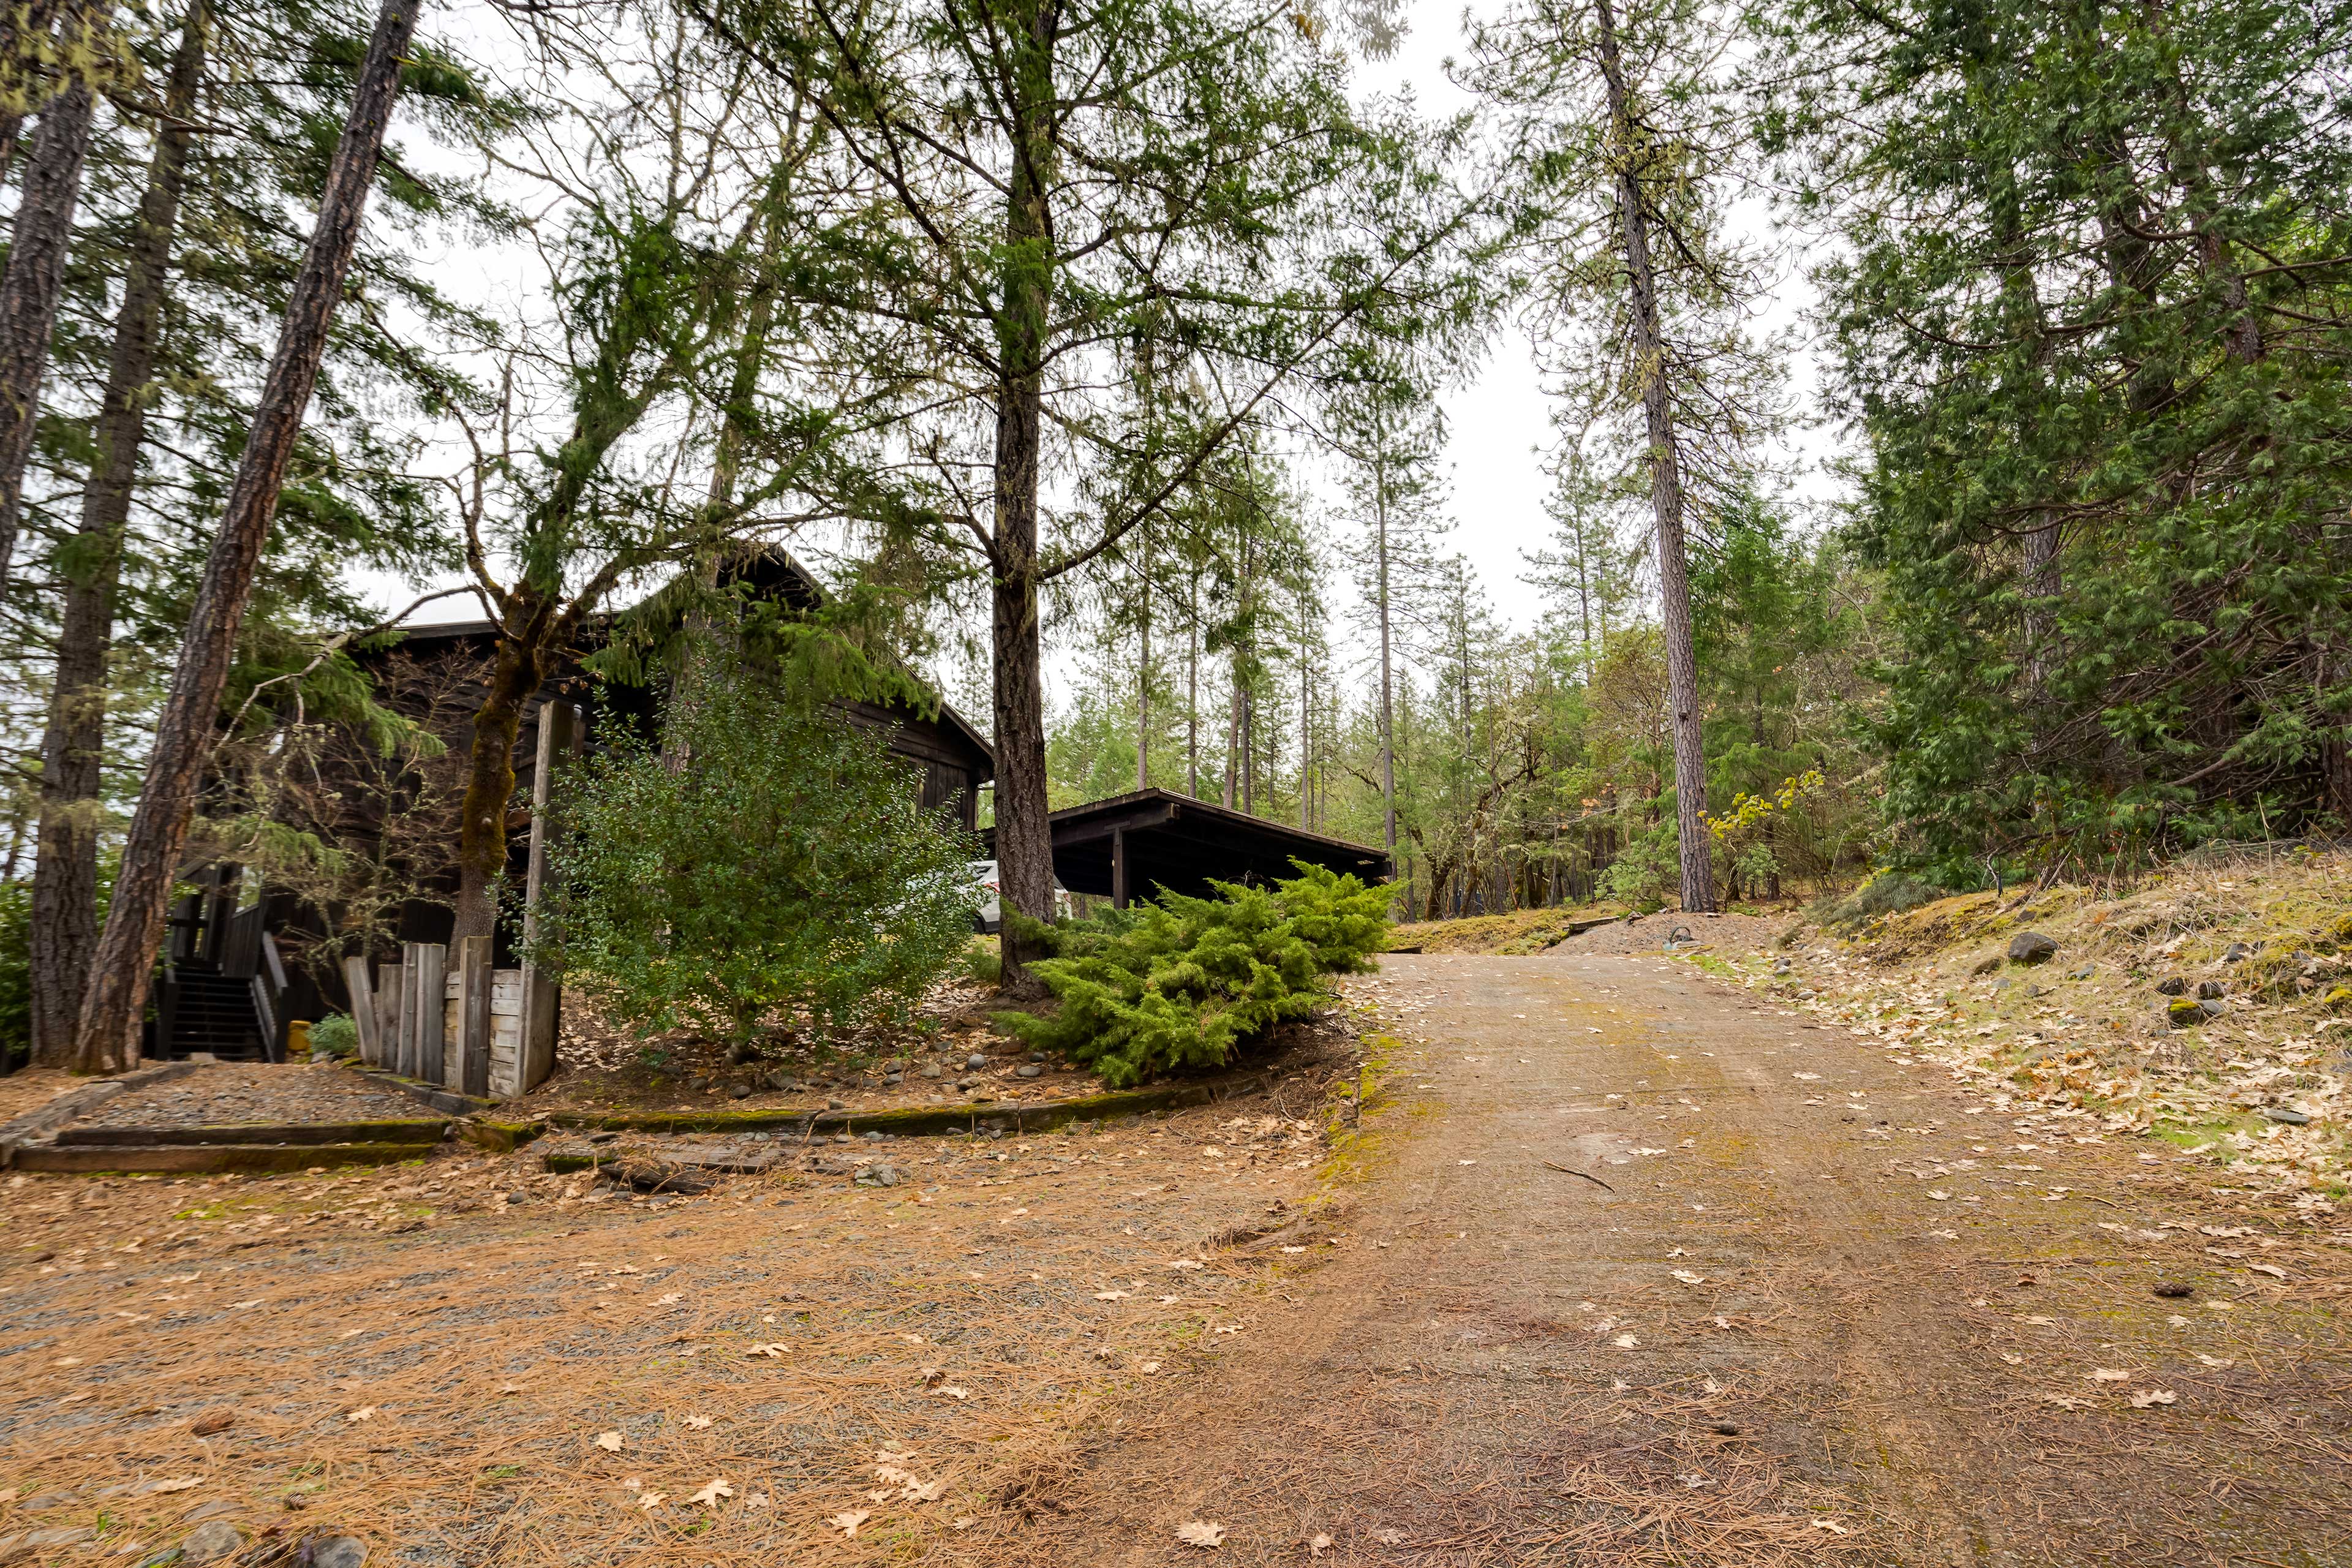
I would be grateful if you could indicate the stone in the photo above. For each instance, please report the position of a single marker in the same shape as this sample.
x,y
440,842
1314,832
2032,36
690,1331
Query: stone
x,y
893,1077
2031,947
2213,1008
2286,1117
1037,1055
335,1551
886,1175
62,1535
874,1136
779,1081
837,1105
2236,952
963,1083
1028,1070
933,1070
2183,1013
211,1541
518,1196
2211,990
2081,973
213,1509
739,1091
2174,1290
974,1062
2173,985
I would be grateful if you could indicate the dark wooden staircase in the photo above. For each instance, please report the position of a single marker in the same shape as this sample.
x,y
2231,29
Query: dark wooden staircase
x,y
220,990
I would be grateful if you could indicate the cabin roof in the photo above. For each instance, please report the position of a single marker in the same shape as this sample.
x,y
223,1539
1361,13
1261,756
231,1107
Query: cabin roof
x,y
771,570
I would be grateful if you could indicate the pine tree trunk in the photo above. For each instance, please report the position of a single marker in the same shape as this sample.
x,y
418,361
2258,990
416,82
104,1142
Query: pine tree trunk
x,y
526,639
109,1036
1143,672
34,280
65,875
1024,844
14,24
1388,687
1665,487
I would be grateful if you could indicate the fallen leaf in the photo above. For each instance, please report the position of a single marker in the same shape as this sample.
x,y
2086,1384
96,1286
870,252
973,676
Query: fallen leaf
x,y
1184,1263
710,1494
2064,1401
1624,1341
2141,1399
672,1299
1687,1277
218,1421
922,1491
364,1413
892,1475
1201,1532
698,1422
952,1392
847,1523
177,1484
1832,1526
241,1306
1396,1537
609,1441
1319,1545
757,1499
2109,1374
2270,1269
1149,1366
772,1352
652,1501
1110,1295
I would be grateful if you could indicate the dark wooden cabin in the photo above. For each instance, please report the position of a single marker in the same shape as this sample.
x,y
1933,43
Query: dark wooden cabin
x,y
220,953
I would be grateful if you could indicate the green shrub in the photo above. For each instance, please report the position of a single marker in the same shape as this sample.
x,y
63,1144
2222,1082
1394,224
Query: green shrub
x,y
335,1036
1648,865
786,864
1887,893
1181,983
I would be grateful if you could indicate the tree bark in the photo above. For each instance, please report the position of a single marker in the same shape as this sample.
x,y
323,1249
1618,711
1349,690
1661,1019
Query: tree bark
x,y
65,874
1665,486
527,637
1024,848
15,27
34,280
1387,677
1144,671
109,1036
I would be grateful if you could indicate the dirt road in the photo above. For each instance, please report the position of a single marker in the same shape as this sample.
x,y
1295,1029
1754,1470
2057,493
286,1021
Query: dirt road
x,y
1828,1307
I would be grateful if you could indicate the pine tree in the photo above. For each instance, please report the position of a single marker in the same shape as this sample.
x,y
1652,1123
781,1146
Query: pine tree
x,y
1625,128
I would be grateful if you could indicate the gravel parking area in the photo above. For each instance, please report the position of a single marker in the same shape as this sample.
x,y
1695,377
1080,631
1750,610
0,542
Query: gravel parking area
x,y
257,1094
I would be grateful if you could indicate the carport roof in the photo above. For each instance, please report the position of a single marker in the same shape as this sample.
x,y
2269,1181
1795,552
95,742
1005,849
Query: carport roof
x,y
1151,838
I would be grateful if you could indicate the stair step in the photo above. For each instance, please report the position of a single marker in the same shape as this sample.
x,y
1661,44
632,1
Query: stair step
x,y
191,1159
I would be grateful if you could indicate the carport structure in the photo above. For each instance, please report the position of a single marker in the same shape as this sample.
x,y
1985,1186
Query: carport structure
x,y
1132,845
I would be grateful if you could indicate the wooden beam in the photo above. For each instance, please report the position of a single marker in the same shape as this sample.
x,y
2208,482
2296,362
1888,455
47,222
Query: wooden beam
x,y
558,735
363,1013
473,1074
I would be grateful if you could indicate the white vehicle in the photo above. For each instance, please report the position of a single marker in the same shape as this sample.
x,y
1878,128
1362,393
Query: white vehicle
x,y
991,915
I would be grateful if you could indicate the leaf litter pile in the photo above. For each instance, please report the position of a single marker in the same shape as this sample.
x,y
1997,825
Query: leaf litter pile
x,y
473,1359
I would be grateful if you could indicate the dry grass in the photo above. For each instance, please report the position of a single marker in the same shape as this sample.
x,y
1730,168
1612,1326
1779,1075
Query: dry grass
x,y
1519,931
412,1357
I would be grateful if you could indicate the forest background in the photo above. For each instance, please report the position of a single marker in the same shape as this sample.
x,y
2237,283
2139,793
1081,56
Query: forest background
x,y
1988,362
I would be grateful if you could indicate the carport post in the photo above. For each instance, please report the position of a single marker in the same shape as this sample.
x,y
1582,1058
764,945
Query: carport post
x,y
1119,868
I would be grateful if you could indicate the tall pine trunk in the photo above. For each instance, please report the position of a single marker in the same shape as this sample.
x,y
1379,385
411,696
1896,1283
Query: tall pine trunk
x,y
109,1036
1024,846
1666,484
1388,667
65,874
15,25
36,276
